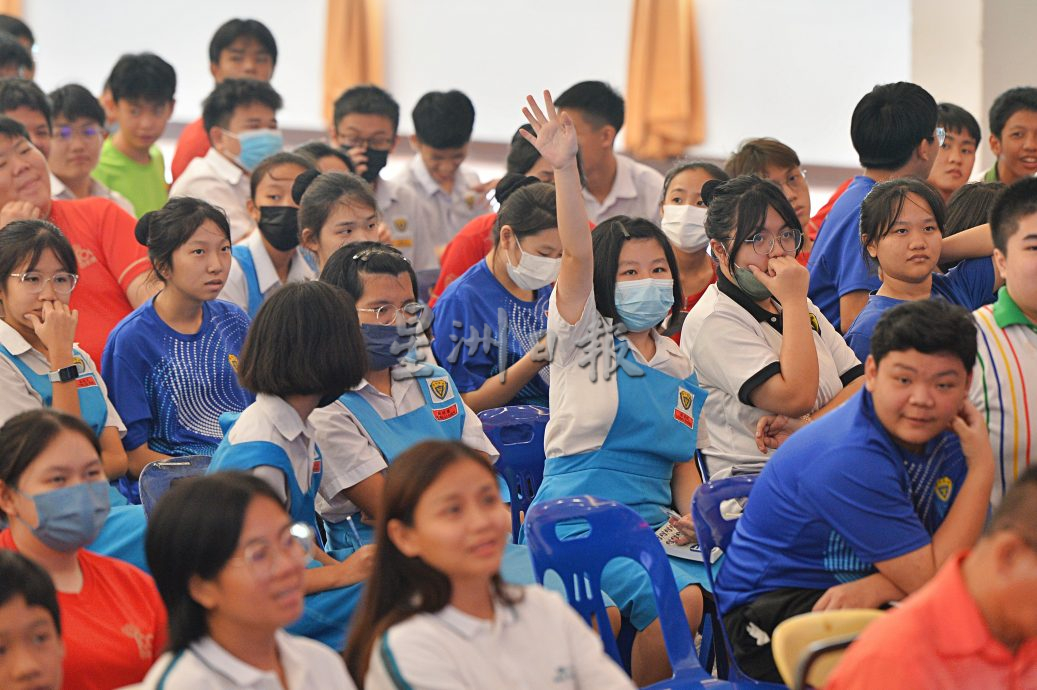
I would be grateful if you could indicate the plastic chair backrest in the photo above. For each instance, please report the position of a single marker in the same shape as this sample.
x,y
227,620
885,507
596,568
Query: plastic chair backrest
x,y
157,477
517,432
794,636
615,531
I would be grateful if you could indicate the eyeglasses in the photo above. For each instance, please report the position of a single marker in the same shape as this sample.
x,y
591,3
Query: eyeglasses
x,y
66,133
260,556
34,281
940,136
763,242
387,313
381,143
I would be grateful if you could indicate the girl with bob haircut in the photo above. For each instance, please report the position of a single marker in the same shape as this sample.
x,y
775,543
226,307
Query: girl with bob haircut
x,y
335,209
170,364
765,349
303,351
508,292
232,578
441,535
624,401
902,225
400,400
54,496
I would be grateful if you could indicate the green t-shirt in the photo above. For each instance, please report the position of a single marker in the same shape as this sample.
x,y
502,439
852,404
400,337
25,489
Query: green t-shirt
x,y
144,184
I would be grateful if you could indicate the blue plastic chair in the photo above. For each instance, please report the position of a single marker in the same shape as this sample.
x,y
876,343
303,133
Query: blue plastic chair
x,y
517,432
157,477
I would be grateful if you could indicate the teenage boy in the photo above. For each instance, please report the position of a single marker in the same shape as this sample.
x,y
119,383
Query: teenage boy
x,y
76,146
1013,135
23,100
957,155
1005,379
240,116
973,626
864,505
893,129
19,29
15,60
614,184
142,88
240,49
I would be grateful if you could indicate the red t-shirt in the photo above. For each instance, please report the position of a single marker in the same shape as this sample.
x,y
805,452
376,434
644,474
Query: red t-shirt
x,y
109,259
468,247
819,217
114,628
674,330
193,143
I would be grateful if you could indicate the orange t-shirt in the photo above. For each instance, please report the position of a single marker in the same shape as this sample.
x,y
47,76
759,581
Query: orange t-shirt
x,y
467,248
193,143
109,258
113,629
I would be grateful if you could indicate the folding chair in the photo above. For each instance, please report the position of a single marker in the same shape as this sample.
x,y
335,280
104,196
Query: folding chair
x,y
517,432
157,477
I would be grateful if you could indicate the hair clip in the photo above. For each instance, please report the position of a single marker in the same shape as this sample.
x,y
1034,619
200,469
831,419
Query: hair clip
x,y
366,254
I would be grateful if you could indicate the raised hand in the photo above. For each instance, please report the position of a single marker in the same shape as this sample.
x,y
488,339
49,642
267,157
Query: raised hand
x,y
555,133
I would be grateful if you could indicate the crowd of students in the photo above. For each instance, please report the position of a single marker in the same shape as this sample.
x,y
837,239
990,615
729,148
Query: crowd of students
x,y
328,335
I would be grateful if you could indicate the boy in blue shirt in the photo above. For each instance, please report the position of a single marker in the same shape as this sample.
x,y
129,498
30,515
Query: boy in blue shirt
x,y
893,129
863,506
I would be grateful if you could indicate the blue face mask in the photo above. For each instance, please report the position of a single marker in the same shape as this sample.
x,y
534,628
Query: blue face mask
x,y
258,144
643,304
385,345
70,518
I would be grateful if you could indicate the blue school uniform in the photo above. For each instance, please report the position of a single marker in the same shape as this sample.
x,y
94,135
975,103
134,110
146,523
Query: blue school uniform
x,y
248,267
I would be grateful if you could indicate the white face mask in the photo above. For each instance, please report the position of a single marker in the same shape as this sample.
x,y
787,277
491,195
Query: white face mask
x,y
685,227
533,272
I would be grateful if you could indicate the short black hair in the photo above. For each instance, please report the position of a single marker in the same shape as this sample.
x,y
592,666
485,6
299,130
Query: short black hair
x,y
17,28
883,204
16,93
164,230
931,326
12,129
889,123
315,150
13,53
233,29
367,99
20,577
218,107
1013,203
145,77
1008,104
970,205
443,119
271,162
74,101
26,240
599,103
344,267
954,118
711,169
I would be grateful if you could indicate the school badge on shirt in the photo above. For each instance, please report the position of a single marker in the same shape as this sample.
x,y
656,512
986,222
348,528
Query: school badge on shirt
x,y
400,224
440,388
943,488
682,411
814,324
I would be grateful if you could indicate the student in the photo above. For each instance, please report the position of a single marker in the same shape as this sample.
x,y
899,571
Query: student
x,y
24,101
270,258
334,210
397,404
240,116
113,269
765,348
863,506
624,402
76,147
19,29
170,365
15,60
142,88
1006,368
30,626
893,129
615,184
301,354
1013,135
441,538
957,155
240,49
55,499
972,626
232,579
325,158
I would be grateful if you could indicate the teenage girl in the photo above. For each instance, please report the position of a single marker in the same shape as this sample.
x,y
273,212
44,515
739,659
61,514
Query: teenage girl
x,y
335,209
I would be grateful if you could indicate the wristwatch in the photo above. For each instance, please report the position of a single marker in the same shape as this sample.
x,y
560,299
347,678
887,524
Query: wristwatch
x,y
69,373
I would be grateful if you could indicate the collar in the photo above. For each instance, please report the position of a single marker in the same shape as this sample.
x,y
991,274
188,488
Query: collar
x,y
221,662
470,627
13,340
283,417
424,177
58,189
741,299
266,274
992,175
623,187
1007,312
224,167
385,192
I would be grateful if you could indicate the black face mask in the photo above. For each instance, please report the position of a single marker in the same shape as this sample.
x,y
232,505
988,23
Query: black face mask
x,y
280,226
376,160
329,398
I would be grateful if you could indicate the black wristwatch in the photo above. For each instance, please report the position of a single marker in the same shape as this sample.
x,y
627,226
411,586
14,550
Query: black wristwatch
x,y
69,373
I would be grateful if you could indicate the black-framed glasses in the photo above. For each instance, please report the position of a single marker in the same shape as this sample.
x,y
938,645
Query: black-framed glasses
x,y
388,313
789,240
380,143
260,556
34,281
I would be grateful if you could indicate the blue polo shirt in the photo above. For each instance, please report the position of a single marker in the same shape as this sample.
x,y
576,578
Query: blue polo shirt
x,y
837,497
837,266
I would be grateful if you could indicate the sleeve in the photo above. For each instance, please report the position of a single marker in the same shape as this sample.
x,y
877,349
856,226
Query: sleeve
x,y
852,272
566,334
734,357
18,395
978,393
858,339
592,667
469,370
188,147
473,435
417,663
236,289
276,479
847,362
970,283
113,415
126,379
349,456
124,257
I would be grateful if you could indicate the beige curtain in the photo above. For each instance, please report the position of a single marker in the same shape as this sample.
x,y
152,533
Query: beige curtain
x,y
664,109
353,48
11,7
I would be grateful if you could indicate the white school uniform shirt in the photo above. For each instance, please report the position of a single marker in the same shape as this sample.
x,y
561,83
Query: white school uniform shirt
x,y
692,325
737,350
635,192
442,214
205,665
16,395
403,214
582,411
58,190
218,180
271,419
539,644
236,289
351,456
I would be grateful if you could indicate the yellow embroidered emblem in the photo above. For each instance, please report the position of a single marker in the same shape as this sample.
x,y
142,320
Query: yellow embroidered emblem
x,y
439,387
943,488
686,398
233,361
400,224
